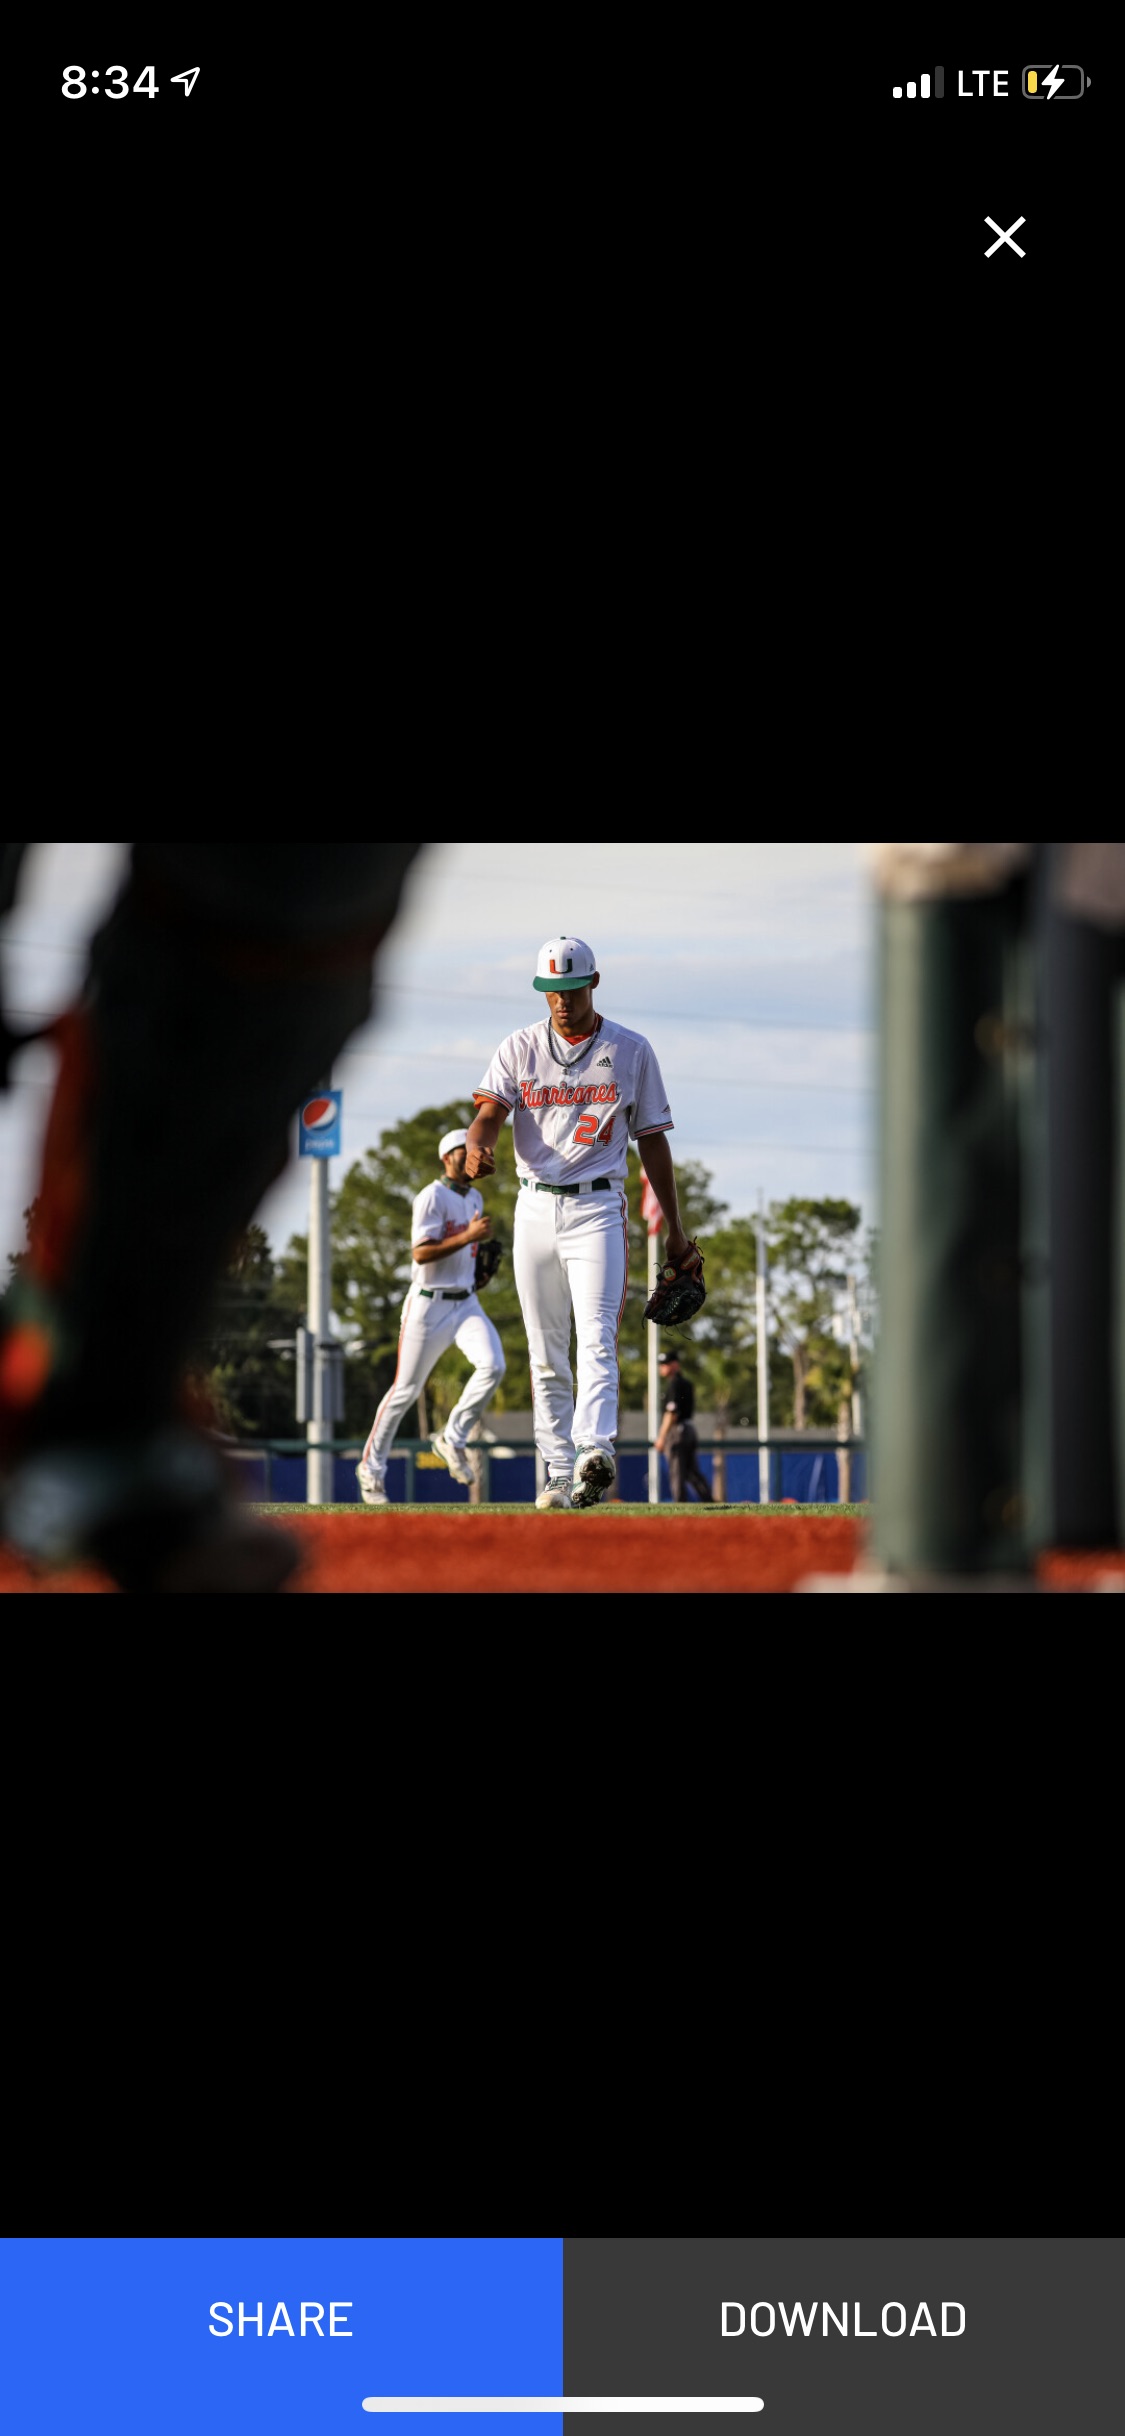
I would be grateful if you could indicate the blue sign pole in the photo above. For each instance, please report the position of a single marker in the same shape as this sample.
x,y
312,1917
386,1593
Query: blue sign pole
x,y
320,1141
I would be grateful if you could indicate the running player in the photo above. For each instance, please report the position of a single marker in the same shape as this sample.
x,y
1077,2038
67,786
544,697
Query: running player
x,y
576,1087
447,1223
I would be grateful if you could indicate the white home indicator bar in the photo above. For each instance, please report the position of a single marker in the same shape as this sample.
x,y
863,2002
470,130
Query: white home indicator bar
x,y
670,2403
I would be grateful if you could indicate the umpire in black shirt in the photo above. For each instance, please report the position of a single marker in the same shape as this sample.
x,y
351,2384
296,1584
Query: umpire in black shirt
x,y
676,1435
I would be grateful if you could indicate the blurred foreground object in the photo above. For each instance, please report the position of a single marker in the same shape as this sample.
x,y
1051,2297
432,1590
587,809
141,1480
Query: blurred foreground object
x,y
1081,935
910,871
220,988
1090,883
998,1415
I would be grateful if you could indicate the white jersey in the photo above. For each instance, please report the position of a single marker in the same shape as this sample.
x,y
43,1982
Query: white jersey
x,y
574,1109
439,1211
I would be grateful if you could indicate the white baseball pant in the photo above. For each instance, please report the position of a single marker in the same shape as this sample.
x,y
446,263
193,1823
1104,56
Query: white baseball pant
x,y
571,1253
428,1328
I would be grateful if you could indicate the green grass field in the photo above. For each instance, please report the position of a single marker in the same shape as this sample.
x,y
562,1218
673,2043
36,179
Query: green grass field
x,y
374,1513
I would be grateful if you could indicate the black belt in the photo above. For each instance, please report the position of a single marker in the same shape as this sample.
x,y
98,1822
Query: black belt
x,y
446,1294
598,1184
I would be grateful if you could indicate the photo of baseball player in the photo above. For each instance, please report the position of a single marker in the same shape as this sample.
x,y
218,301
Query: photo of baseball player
x,y
447,1224
576,1087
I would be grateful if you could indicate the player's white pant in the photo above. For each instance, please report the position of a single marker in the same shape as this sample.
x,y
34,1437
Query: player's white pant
x,y
428,1327
572,1250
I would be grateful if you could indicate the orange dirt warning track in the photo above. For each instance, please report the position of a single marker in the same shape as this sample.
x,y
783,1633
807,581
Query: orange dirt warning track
x,y
494,1553
537,1552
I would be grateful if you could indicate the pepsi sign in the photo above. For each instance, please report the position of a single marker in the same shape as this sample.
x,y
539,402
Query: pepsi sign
x,y
320,1126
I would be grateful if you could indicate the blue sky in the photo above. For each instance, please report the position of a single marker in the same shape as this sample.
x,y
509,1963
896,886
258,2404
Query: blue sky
x,y
748,967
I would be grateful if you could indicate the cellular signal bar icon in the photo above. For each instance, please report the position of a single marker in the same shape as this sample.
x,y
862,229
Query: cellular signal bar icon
x,y
924,86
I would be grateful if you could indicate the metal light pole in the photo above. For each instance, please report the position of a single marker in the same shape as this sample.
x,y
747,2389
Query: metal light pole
x,y
763,1365
318,1470
853,1356
320,1358
318,1465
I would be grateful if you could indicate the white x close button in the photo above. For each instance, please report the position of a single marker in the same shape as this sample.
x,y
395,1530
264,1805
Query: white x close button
x,y
1004,236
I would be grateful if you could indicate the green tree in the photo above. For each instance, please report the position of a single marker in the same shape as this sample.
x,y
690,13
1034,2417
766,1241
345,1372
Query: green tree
x,y
242,1384
812,1246
723,1357
243,1375
721,1349
371,1267
699,1211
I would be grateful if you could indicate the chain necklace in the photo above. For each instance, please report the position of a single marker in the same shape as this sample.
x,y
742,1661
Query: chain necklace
x,y
569,1062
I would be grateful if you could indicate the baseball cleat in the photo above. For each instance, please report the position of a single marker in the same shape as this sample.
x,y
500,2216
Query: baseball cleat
x,y
556,1497
456,1459
371,1487
594,1473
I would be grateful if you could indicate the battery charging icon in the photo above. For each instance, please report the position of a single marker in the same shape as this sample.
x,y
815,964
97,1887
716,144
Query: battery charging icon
x,y
1054,84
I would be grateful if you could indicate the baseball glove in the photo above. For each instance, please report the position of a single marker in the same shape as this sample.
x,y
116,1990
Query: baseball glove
x,y
679,1292
489,1256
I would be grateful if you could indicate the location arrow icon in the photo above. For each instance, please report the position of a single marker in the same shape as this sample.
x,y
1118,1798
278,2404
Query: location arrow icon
x,y
187,79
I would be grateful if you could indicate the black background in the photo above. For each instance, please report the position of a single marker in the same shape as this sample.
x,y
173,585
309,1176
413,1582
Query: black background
x,y
178,272
942,167
984,379
147,198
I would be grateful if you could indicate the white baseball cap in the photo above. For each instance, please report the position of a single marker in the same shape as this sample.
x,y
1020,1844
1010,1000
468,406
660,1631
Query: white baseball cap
x,y
450,1141
564,964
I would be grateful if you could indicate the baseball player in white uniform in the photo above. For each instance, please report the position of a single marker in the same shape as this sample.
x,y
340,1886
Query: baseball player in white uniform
x,y
576,1087
441,1308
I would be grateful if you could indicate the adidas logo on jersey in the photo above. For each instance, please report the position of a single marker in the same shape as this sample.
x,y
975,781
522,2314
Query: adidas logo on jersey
x,y
605,1061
